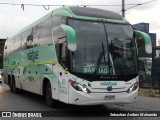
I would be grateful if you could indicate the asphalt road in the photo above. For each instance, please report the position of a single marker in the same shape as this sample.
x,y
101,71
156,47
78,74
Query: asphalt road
x,y
26,101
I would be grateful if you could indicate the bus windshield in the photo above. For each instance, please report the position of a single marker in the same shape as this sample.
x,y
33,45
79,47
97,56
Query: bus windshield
x,y
103,49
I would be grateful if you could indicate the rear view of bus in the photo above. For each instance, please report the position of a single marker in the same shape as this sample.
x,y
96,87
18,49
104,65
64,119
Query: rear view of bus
x,y
76,55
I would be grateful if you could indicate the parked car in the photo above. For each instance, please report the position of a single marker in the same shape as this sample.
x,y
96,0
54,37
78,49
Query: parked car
x,y
1,78
1,71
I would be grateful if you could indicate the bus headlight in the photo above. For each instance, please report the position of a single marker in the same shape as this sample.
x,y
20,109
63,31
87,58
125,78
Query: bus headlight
x,y
79,87
133,87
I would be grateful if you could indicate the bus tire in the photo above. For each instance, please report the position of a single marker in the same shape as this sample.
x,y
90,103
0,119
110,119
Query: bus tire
x,y
14,88
48,95
11,88
10,83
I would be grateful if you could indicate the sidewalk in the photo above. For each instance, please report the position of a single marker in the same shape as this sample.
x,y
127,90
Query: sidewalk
x,y
149,93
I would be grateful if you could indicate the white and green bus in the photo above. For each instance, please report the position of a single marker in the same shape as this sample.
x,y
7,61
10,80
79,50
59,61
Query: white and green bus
x,y
76,55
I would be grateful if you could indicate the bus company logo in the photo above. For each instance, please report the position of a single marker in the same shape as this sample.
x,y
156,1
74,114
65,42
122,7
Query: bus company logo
x,y
32,55
109,88
108,83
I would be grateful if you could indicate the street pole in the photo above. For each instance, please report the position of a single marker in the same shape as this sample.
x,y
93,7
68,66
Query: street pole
x,y
123,8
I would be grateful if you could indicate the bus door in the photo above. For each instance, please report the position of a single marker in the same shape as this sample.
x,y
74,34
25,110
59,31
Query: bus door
x,y
59,39
63,76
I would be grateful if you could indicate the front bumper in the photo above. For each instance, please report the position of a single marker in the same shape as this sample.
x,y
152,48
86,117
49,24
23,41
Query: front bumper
x,y
81,98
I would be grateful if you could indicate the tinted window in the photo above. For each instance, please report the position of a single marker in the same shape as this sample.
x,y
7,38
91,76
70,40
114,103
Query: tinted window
x,y
103,49
23,37
42,33
35,36
58,20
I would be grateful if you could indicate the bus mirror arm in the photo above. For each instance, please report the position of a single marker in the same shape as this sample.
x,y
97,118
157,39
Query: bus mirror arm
x,y
63,65
144,36
71,37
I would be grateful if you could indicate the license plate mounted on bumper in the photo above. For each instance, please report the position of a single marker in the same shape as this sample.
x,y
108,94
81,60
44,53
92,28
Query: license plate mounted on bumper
x,y
109,97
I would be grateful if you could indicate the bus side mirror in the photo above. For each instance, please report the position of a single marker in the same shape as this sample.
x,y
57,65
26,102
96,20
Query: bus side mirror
x,y
147,40
71,37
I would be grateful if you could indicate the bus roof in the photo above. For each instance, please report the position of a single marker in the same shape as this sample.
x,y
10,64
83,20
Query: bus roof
x,y
81,13
94,12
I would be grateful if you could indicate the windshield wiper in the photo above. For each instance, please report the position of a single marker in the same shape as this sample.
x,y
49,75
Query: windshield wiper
x,y
101,54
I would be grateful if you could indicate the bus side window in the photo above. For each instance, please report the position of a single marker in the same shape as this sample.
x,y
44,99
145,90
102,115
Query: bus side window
x,y
57,50
61,51
23,37
58,20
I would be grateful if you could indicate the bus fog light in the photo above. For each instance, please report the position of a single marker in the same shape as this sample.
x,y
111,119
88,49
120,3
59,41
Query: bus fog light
x,y
135,99
79,87
77,100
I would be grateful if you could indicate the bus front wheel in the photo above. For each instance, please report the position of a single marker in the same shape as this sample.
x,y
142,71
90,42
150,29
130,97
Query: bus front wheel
x,y
50,102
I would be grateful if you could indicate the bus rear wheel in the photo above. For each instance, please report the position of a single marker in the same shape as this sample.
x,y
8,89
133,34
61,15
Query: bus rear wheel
x,y
10,84
11,88
14,88
48,94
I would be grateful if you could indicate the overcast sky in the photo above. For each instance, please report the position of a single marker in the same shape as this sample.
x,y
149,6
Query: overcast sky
x,y
13,18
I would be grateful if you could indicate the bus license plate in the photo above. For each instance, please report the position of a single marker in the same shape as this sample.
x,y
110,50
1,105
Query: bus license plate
x,y
109,97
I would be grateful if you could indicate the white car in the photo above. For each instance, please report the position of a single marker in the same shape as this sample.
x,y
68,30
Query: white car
x,y
1,71
1,78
